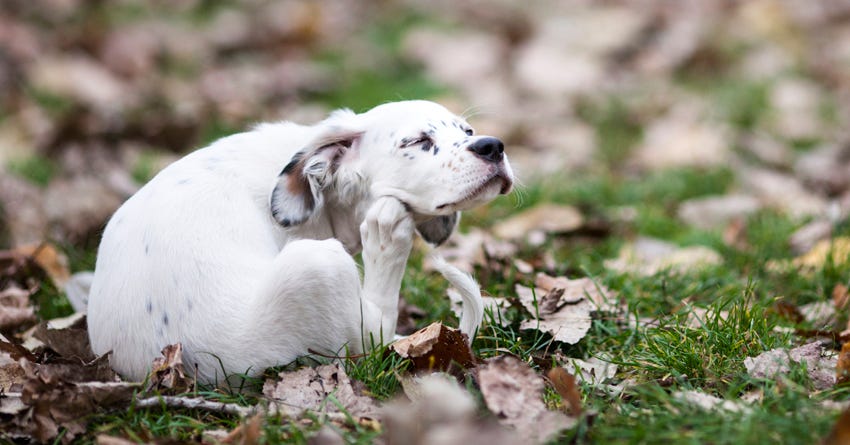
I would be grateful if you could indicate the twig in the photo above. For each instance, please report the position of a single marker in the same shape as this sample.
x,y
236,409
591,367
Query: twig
x,y
197,403
238,410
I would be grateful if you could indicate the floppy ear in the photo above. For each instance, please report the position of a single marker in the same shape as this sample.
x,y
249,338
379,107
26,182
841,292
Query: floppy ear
x,y
437,230
298,192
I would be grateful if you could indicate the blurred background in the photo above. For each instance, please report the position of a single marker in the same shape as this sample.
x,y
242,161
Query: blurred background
x,y
97,96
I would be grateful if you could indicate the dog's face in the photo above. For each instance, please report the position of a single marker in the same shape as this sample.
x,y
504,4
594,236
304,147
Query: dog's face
x,y
430,159
416,151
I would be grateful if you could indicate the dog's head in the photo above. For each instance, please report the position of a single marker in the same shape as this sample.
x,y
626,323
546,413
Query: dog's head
x,y
416,151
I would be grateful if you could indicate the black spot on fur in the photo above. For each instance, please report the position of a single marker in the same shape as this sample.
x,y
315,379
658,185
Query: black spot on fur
x,y
436,149
165,319
149,306
147,248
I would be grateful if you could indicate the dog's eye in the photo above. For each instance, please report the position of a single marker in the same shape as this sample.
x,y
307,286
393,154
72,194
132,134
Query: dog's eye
x,y
469,132
409,142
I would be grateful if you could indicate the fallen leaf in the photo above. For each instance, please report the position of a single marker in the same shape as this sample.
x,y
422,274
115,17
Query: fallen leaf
x,y
66,336
686,125
514,393
15,309
711,212
821,314
709,402
842,367
806,237
48,258
840,434
167,374
247,433
648,256
547,218
593,371
436,348
565,384
564,307
60,397
440,411
840,296
782,192
837,250
776,362
325,388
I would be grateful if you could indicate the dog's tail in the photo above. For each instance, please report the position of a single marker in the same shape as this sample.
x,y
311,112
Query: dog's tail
x,y
470,294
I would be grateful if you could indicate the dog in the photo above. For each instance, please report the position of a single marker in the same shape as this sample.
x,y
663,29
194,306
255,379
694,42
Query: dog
x,y
242,251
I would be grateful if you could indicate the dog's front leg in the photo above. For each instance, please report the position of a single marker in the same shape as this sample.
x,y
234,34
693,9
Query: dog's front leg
x,y
387,235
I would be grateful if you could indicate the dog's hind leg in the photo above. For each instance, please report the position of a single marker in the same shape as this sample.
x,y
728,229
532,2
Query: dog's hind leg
x,y
309,300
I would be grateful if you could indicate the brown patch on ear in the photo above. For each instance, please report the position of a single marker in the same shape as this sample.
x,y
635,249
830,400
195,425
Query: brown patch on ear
x,y
292,201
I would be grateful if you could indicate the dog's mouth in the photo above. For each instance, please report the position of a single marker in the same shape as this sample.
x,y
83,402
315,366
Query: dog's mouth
x,y
486,190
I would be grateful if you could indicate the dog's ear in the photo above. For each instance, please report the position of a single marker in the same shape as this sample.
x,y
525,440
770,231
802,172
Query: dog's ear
x,y
438,229
298,192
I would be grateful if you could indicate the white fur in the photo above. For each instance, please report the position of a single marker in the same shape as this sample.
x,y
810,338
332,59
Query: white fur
x,y
201,255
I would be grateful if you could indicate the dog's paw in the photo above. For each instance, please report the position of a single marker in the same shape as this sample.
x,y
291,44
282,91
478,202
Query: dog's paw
x,y
388,228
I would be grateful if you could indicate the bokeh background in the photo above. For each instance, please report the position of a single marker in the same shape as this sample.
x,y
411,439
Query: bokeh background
x,y
97,96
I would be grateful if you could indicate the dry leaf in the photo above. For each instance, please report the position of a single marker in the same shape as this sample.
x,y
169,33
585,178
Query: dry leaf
x,y
15,309
565,384
319,389
840,434
771,364
514,393
49,259
711,212
62,396
842,367
648,256
594,371
840,297
708,402
547,218
67,336
248,433
440,411
564,307
436,348
167,373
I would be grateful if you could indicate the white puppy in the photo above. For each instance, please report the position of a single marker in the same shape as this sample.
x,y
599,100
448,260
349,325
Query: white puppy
x,y
249,266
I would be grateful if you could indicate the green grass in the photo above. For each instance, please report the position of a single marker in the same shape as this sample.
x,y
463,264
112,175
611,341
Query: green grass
x,y
35,169
660,358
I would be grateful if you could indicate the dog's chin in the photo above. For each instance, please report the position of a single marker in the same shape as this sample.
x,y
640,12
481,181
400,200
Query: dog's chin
x,y
482,194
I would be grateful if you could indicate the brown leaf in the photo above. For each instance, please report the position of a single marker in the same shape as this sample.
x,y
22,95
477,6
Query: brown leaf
x,y
167,373
840,434
15,309
67,336
842,368
565,384
248,433
60,397
788,311
840,296
514,393
319,389
53,262
436,348
547,218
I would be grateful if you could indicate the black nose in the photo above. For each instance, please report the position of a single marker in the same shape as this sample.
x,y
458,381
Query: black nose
x,y
488,149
